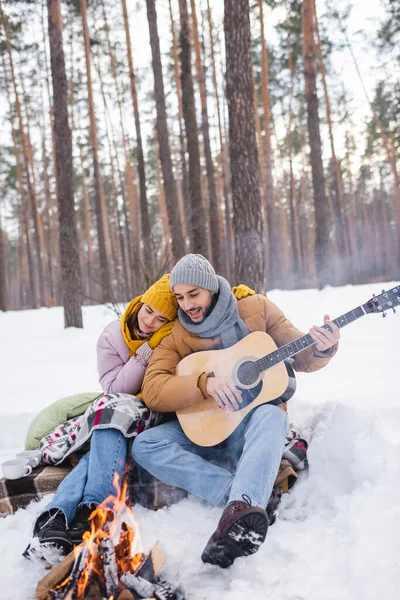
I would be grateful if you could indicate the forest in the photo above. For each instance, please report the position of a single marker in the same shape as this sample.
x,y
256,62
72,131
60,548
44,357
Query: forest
x,y
133,132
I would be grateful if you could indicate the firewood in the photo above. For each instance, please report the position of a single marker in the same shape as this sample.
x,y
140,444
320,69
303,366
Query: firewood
x,y
57,574
126,595
138,584
152,563
77,570
110,567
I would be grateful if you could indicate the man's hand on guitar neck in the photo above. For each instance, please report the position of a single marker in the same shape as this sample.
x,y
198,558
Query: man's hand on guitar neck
x,y
225,394
325,337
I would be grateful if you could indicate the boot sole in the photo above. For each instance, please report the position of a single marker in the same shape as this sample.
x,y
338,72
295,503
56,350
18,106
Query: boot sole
x,y
243,538
42,549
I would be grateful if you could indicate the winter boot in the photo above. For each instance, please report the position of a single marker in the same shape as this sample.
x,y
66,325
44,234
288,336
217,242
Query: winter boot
x,y
240,532
80,523
51,540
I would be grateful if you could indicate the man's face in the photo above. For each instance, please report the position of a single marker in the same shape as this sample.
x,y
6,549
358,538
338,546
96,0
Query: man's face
x,y
195,301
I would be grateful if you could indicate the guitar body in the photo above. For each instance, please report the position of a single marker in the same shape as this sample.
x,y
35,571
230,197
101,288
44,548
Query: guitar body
x,y
205,423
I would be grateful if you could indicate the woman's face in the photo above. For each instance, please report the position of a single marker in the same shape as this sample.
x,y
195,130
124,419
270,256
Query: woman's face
x,y
150,320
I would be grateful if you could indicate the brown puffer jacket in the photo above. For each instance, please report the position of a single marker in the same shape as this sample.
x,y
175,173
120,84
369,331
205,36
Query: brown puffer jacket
x,y
164,391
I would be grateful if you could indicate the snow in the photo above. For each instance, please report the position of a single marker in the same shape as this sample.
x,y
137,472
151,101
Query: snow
x,y
337,532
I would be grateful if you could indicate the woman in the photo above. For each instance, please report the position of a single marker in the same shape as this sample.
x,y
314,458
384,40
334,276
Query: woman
x,y
123,352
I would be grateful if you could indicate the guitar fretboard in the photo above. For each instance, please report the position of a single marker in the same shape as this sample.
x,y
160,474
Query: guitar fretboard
x,y
303,342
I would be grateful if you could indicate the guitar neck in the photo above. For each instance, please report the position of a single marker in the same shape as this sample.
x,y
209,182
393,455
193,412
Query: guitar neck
x,y
289,350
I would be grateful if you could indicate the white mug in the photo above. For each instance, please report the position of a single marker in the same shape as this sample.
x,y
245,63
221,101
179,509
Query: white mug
x,y
33,456
17,468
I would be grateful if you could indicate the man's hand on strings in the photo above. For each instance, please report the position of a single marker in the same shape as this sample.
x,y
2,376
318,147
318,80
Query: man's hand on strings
x,y
325,337
225,394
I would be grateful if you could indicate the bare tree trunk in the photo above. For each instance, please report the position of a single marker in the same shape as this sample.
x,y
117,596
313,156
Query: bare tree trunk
x,y
69,247
213,219
163,210
355,251
87,227
101,236
273,241
197,213
339,211
322,258
247,220
223,155
47,219
171,196
182,144
144,211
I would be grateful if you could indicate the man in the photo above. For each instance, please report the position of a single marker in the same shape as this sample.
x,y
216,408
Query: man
x,y
210,318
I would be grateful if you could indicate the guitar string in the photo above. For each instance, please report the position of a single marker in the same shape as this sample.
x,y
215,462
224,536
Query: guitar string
x,y
344,318
340,321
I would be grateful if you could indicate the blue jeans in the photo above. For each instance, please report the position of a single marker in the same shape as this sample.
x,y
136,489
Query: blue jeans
x,y
91,481
247,462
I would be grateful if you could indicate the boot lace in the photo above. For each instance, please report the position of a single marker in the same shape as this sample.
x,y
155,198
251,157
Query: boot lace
x,y
238,505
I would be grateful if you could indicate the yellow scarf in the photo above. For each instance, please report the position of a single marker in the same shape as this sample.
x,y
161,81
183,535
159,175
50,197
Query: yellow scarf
x,y
131,310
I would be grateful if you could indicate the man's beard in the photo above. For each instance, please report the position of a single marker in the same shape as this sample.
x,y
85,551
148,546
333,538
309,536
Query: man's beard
x,y
205,312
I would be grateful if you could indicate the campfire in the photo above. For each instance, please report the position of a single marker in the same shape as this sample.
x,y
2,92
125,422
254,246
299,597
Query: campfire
x,y
109,564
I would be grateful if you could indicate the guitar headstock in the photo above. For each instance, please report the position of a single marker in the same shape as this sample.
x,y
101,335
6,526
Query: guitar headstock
x,y
385,301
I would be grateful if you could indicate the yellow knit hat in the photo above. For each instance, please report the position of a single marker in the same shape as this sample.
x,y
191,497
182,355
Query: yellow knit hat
x,y
160,297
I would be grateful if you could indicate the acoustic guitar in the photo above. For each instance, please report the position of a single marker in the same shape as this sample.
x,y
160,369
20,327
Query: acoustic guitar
x,y
256,367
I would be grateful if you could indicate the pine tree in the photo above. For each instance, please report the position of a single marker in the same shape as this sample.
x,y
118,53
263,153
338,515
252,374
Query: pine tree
x,y
198,227
69,248
245,172
171,195
322,258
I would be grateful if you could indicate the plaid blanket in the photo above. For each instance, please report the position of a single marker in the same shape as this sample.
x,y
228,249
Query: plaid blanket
x,y
119,411
144,489
18,493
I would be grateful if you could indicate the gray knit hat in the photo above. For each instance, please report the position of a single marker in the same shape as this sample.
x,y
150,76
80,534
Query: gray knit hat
x,y
196,270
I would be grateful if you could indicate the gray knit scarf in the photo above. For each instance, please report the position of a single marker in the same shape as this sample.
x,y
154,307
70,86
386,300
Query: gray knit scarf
x,y
223,320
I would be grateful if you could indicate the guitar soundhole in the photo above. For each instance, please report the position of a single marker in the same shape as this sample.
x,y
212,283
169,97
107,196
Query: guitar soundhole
x,y
247,373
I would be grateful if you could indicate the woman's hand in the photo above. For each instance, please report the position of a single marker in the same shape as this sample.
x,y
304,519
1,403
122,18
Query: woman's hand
x,y
159,335
242,291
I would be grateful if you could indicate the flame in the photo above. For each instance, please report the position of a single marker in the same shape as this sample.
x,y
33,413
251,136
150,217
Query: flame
x,y
112,519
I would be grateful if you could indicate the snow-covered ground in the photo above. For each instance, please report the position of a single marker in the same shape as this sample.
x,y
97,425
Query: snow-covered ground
x,y
337,534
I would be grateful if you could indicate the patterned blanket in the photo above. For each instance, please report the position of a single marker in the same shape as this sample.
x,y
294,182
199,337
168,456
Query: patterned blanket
x,y
18,493
118,411
143,488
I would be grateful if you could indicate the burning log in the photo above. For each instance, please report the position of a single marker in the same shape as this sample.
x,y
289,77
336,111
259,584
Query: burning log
x,y
77,570
58,573
138,584
108,560
160,589
110,567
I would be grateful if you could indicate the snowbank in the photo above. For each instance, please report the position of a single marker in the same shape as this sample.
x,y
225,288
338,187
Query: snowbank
x,y
336,537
